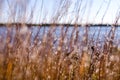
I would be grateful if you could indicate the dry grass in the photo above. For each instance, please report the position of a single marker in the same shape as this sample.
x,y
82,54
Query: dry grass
x,y
49,57
56,53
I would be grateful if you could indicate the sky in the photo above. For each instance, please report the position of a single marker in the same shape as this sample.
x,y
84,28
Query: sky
x,y
60,11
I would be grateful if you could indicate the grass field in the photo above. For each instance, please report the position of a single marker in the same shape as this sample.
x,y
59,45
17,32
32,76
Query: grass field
x,y
48,57
70,55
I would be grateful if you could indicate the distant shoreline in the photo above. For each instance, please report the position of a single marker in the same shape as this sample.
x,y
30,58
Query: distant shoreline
x,y
57,24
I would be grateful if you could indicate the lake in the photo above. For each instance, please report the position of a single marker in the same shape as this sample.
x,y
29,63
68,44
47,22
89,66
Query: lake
x,y
93,32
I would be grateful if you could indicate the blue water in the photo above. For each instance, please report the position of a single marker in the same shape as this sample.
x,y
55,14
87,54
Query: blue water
x,y
93,32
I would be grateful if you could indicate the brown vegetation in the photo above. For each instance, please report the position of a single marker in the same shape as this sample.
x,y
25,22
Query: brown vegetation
x,y
43,54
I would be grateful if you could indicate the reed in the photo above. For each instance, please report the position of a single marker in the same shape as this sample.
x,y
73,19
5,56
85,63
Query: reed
x,y
56,52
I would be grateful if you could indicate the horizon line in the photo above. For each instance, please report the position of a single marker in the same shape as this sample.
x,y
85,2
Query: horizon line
x,y
56,24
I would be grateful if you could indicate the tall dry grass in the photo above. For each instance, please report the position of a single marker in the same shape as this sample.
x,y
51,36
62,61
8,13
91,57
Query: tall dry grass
x,y
43,54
